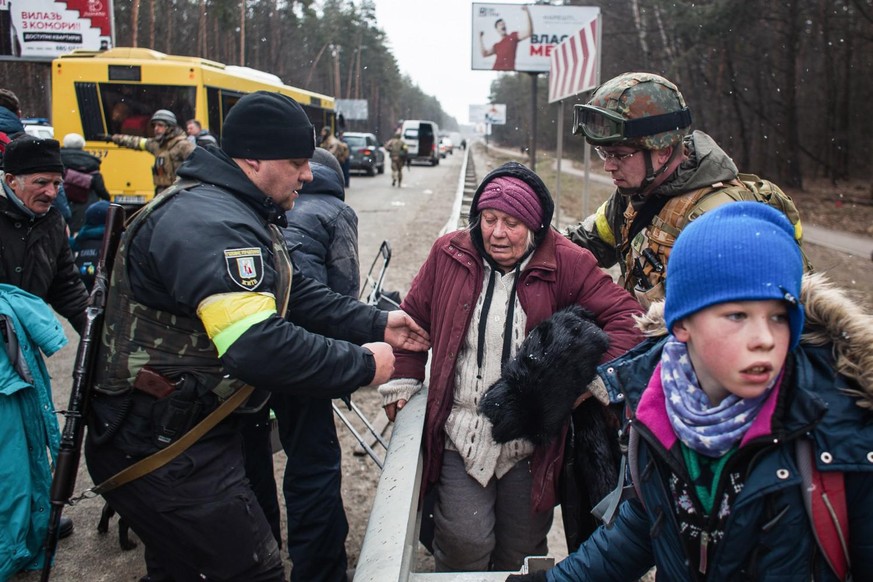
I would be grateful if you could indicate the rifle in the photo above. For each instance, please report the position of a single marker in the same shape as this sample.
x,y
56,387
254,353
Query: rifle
x,y
70,451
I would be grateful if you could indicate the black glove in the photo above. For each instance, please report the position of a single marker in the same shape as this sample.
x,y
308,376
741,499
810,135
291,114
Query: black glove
x,y
103,137
534,577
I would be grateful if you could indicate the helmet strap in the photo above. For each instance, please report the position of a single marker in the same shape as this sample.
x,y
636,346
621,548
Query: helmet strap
x,y
649,182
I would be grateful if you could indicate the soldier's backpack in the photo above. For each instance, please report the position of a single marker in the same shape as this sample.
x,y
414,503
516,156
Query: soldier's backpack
x,y
675,213
761,190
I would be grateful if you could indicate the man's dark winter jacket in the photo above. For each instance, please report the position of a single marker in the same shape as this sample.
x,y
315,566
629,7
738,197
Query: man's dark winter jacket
x,y
176,260
80,160
323,233
442,300
35,256
767,535
273,353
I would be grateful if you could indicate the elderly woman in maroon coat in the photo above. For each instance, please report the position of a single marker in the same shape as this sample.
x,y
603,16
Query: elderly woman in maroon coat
x,y
479,294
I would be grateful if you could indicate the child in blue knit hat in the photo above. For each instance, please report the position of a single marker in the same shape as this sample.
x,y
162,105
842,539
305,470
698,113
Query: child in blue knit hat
x,y
737,427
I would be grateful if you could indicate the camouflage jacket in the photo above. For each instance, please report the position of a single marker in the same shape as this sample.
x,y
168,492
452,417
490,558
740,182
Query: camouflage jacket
x,y
605,232
169,153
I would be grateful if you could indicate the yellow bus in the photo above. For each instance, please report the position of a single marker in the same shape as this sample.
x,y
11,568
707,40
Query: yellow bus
x,y
116,91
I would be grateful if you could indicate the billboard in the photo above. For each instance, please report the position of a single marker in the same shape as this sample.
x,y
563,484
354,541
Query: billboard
x,y
575,63
521,37
44,29
493,113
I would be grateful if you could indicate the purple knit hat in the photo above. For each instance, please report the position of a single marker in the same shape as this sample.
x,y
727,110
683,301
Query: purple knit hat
x,y
514,197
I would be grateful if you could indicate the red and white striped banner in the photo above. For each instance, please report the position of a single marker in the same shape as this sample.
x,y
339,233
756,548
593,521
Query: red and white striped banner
x,y
575,63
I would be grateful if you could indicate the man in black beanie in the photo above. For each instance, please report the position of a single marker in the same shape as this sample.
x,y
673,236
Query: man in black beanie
x,y
204,293
36,253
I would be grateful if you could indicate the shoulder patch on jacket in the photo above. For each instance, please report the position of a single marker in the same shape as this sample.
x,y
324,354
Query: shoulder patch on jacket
x,y
245,267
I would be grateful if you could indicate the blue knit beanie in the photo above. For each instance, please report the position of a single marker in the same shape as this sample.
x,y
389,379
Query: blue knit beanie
x,y
95,215
741,251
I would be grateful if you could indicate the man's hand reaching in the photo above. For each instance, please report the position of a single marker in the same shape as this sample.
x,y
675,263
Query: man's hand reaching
x,y
403,333
383,355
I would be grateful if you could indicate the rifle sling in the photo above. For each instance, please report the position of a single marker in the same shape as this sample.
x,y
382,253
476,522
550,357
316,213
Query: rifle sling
x,y
159,459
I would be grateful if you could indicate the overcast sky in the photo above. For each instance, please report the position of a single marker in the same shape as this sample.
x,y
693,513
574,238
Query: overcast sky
x,y
431,41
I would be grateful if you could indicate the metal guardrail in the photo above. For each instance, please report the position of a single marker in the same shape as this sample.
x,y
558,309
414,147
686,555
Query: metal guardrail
x,y
391,541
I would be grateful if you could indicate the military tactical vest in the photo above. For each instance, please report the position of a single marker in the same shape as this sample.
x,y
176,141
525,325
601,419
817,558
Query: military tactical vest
x,y
135,335
647,255
164,168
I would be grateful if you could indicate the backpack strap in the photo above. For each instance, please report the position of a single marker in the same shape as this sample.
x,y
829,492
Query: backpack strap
x,y
633,461
824,495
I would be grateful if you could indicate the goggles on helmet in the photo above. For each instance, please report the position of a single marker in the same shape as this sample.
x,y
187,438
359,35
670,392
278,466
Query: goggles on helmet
x,y
603,126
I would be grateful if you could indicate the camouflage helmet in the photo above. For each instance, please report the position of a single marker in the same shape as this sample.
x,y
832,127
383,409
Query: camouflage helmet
x,y
164,116
634,109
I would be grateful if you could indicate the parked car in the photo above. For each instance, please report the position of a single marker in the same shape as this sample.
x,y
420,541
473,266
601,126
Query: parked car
x,y
446,146
422,140
367,155
38,127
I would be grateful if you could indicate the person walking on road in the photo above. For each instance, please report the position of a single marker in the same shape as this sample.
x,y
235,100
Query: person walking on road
x,y
169,145
397,150
211,315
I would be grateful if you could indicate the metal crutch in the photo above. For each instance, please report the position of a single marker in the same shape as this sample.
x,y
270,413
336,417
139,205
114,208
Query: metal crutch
x,y
356,434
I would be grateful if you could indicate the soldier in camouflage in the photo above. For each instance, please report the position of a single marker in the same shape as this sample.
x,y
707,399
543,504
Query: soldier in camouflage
x,y
663,177
398,151
170,146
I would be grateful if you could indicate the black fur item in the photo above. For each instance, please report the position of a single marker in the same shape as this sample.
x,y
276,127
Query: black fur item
x,y
536,391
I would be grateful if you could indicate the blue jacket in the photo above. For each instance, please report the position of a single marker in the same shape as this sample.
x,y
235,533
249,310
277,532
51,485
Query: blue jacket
x,y
767,535
10,124
322,232
28,427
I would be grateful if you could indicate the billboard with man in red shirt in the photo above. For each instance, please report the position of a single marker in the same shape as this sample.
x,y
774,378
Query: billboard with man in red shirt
x,y
521,37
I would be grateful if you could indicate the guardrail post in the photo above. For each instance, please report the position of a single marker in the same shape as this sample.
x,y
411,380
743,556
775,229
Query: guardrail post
x,y
390,544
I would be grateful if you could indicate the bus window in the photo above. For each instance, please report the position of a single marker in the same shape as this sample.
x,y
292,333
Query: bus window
x,y
128,108
218,104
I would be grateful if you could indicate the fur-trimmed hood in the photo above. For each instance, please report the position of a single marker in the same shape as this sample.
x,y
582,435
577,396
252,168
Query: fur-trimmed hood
x,y
832,317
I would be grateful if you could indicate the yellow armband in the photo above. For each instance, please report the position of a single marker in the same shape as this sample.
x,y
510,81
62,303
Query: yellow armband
x,y
227,316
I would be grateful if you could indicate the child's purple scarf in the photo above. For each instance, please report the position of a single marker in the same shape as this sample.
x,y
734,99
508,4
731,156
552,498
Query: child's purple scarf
x,y
652,412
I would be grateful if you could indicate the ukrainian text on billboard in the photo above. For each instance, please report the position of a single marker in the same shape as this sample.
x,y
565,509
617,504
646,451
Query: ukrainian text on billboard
x,y
44,29
521,37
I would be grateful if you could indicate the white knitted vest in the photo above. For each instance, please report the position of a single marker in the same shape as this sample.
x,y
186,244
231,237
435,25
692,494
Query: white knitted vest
x,y
467,431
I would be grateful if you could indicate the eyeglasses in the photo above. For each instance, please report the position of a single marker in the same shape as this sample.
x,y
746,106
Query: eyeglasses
x,y
605,155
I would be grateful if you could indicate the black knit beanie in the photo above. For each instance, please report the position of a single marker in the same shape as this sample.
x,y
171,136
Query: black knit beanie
x,y
29,155
267,126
